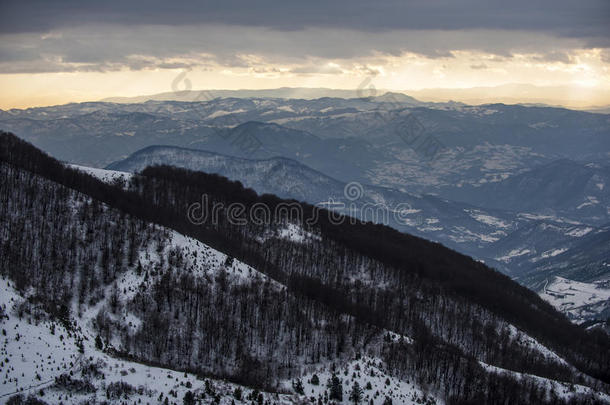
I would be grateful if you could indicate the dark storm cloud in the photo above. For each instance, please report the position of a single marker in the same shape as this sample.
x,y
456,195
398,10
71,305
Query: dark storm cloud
x,y
54,36
112,47
568,18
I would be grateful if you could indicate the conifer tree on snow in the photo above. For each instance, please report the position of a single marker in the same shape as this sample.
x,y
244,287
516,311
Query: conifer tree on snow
x,y
356,393
336,388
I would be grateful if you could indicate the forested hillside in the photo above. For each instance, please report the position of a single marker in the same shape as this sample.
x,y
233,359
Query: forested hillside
x,y
250,303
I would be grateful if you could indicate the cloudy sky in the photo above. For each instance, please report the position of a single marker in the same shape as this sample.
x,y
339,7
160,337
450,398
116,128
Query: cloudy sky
x,y
59,51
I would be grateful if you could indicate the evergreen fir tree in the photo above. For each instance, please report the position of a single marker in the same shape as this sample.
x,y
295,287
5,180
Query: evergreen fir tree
x,y
336,388
189,398
99,345
297,385
356,393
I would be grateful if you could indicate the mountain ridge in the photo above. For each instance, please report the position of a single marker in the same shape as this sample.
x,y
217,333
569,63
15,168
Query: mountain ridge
x,y
432,281
428,216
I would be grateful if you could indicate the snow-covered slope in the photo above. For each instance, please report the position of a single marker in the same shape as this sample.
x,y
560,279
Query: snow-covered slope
x,y
61,363
376,384
42,358
65,360
108,176
580,301
563,390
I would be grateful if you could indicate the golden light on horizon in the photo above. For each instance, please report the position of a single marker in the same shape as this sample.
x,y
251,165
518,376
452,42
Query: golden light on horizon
x,y
584,81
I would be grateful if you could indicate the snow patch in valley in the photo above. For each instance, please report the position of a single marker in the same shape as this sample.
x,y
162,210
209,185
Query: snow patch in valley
x,y
220,113
553,253
579,232
590,200
487,219
542,217
512,254
460,235
576,299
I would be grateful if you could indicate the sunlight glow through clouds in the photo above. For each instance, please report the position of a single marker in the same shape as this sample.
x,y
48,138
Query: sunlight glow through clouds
x,y
408,71
551,51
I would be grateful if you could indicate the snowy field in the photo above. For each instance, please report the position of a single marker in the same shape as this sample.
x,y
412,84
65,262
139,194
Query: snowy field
x,y
577,299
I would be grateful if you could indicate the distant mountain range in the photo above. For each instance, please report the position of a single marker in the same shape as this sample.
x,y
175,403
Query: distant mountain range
x,y
372,140
514,93
520,93
306,93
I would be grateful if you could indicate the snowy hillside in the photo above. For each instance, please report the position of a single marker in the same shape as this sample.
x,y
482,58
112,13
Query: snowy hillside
x,y
108,287
375,384
55,364
59,365
108,176
64,363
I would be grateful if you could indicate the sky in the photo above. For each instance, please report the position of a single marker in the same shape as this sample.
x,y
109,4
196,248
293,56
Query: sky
x,y
55,52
